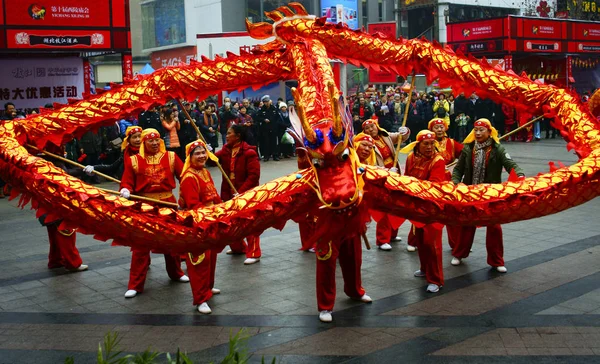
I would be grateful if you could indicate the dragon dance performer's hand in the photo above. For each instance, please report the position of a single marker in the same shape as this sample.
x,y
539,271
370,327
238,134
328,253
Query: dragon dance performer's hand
x,y
125,193
405,132
89,170
394,170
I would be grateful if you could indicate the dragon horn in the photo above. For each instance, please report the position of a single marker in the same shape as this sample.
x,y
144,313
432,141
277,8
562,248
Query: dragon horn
x,y
335,108
259,30
274,15
285,10
300,10
309,133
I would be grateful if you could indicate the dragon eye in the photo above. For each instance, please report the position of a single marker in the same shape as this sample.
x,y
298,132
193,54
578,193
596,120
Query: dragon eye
x,y
345,154
318,163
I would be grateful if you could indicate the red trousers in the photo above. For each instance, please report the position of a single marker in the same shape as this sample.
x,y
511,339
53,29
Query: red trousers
x,y
306,228
429,244
252,248
140,261
202,275
384,231
453,232
63,251
493,244
412,238
349,252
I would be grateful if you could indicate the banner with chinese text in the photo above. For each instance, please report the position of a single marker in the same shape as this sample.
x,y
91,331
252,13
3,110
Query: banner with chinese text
x,y
31,83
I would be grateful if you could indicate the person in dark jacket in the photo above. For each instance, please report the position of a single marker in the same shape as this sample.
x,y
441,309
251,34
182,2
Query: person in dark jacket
x,y
130,147
481,161
267,118
90,146
361,111
240,163
209,124
150,119
227,115
187,132
287,149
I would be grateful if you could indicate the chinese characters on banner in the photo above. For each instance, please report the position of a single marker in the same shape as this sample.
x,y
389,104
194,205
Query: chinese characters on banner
x,y
127,66
36,82
388,29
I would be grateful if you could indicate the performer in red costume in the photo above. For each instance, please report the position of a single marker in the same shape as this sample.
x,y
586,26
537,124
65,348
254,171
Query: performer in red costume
x,y
196,190
240,162
481,161
450,150
384,150
151,173
348,250
426,163
130,147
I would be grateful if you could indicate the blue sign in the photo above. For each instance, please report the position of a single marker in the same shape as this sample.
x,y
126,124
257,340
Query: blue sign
x,y
169,22
341,11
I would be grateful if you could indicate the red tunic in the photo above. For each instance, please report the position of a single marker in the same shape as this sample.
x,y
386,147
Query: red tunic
x,y
427,169
386,153
153,176
197,189
243,169
450,150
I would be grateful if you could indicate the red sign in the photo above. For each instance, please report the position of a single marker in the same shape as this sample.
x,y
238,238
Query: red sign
x,y
485,29
87,82
548,29
585,31
388,29
127,66
508,62
580,47
58,39
173,57
541,46
63,13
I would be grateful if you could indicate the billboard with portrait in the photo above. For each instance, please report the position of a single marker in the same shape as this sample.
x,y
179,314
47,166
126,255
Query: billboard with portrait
x,y
341,11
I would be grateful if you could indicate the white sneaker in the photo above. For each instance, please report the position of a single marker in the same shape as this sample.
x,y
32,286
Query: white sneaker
x,y
251,261
81,268
366,298
501,269
397,238
325,316
204,308
419,274
130,293
433,288
215,291
455,261
229,252
184,279
386,247
312,250
411,248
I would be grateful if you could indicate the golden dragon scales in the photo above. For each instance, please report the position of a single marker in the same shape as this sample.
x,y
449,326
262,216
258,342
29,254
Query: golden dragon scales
x,y
335,182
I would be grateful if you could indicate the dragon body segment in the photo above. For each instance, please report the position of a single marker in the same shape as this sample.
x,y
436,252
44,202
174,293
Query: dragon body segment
x,y
301,50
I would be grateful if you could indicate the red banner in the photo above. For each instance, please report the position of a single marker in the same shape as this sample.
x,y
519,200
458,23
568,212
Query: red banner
x,y
485,29
585,31
580,47
173,57
542,46
127,63
388,29
87,82
58,39
508,62
63,13
547,29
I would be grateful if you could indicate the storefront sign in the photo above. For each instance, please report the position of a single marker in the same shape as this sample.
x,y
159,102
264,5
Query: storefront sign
x,y
547,29
127,66
585,31
541,46
475,47
63,13
173,57
485,29
388,29
67,39
31,83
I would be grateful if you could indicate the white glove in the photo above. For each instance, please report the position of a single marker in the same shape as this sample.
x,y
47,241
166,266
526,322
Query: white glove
x,y
89,170
210,149
394,170
403,130
125,193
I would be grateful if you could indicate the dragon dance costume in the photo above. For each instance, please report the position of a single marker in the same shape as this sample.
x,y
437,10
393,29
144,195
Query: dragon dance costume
x,y
427,237
196,190
152,175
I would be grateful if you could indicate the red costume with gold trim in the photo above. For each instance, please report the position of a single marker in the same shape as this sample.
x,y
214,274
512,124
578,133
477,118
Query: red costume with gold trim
x,y
428,239
151,176
197,190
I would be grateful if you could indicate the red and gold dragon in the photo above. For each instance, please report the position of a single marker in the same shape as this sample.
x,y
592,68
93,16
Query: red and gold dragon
x,y
335,182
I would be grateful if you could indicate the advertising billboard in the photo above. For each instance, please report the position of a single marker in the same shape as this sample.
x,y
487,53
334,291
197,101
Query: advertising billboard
x,y
71,13
31,83
484,29
341,11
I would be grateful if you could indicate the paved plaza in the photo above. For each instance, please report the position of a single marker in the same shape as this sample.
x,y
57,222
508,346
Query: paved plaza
x,y
545,309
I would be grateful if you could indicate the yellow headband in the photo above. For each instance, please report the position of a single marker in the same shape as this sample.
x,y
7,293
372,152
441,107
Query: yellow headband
x,y
485,123
422,135
151,134
129,132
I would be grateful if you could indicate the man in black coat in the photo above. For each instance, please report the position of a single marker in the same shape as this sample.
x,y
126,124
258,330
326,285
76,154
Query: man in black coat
x,y
151,119
267,118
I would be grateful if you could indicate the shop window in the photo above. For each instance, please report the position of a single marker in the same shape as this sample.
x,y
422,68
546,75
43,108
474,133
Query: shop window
x,y
255,8
163,23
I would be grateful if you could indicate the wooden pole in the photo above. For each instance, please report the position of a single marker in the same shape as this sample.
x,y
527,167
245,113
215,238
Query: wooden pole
x,y
507,135
367,245
412,87
187,115
73,163
140,198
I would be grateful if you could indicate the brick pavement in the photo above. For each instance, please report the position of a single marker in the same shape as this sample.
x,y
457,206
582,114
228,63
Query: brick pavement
x,y
548,304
